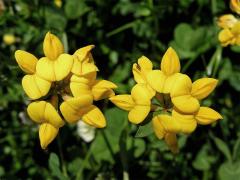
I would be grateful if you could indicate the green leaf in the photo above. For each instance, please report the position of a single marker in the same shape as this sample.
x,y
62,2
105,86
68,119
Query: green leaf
x,y
229,171
235,49
75,8
236,150
55,20
144,130
54,166
222,146
139,147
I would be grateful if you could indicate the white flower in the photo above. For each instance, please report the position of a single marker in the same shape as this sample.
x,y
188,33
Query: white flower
x,y
86,132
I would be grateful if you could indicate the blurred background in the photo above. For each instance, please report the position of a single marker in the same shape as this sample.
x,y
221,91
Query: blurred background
x,y
122,31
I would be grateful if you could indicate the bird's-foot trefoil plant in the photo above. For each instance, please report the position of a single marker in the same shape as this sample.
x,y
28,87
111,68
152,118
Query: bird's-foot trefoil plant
x,y
167,99
62,88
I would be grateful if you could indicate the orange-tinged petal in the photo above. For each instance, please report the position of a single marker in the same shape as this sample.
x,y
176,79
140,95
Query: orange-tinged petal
x,y
124,102
235,6
201,88
226,21
170,62
47,133
52,46
171,141
225,37
206,116
186,104
35,87
94,117
26,61
138,113
156,80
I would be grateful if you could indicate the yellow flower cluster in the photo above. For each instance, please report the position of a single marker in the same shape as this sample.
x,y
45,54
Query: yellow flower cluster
x,y
169,96
230,33
62,88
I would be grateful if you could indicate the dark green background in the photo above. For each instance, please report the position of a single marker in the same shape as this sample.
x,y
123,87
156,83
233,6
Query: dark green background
x,y
122,31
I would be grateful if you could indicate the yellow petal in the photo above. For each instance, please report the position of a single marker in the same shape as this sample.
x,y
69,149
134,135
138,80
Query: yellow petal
x,y
103,89
80,68
94,117
42,111
124,102
26,61
138,113
206,115
83,53
225,37
52,46
169,123
235,6
35,87
158,127
186,104
141,69
171,141
226,21
187,123
47,133
182,85
55,70
169,83
170,62
82,85
141,94
156,80
201,88
72,109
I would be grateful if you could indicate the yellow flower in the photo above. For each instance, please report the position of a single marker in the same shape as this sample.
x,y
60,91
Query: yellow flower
x,y
74,109
45,114
165,128
185,94
34,86
138,103
88,85
9,39
163,80
141,70
58,3
83,63
235,6
56,65
230,36
227,21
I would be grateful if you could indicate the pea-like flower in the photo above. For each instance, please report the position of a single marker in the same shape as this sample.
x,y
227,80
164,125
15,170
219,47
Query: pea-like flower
x,y
67,86
175,104
235,6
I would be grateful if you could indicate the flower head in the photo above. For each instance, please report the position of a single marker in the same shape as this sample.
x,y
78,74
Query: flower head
x,y
67,86
175,104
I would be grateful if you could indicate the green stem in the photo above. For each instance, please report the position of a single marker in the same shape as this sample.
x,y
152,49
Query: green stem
x,y
121,28
108,144
190,61
79,174
64,168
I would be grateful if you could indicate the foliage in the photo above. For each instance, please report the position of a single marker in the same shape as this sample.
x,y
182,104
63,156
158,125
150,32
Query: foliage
x,y
122,31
